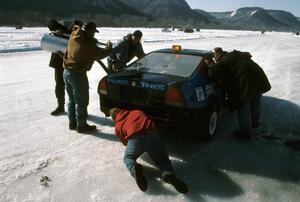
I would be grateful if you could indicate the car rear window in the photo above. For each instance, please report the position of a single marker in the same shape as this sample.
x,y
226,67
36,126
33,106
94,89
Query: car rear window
x,y
167,63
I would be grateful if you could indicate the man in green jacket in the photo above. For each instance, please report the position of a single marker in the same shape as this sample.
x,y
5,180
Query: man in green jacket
x,y
81,53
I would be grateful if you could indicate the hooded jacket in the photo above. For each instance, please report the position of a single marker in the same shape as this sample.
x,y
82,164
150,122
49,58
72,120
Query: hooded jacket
x,y
240,76
132,123
123,52
82,51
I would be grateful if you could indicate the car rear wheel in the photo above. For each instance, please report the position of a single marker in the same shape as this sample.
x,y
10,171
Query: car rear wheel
x,y
203,128
210,125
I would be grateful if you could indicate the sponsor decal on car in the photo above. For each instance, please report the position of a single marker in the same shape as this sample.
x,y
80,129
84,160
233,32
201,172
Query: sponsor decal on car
x,y
142,84
200,94
118,81
209,89
153,86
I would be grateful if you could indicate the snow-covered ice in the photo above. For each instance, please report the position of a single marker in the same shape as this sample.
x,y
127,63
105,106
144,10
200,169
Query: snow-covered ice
x,y
90,167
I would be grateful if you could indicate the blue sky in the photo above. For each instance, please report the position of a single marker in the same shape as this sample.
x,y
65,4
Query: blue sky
x,y
292,6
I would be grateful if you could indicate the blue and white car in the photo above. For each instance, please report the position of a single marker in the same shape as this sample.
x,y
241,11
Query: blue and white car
x,y
170,85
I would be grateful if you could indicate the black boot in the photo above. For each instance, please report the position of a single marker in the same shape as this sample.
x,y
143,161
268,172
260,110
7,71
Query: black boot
x,y
86,128
72,126
59,110
139,177
177,183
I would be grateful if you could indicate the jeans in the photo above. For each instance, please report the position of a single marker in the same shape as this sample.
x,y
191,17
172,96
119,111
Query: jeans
x,y
77,86
150,143
59,86
247,109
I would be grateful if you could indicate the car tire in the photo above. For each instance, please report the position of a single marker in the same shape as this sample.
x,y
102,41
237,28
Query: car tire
x,y
210,124
104,105
201,128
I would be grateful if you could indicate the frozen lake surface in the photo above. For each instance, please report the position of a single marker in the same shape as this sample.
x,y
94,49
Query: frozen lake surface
x,y
90,167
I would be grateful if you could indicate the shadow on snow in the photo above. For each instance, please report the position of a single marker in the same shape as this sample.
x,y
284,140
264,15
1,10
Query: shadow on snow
x,y
205,166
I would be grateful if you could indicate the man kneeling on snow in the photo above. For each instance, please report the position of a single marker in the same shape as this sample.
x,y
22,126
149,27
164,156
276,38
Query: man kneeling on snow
x,y
139,134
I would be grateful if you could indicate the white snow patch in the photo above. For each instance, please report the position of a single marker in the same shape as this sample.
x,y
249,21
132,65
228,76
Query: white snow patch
x,y
90,167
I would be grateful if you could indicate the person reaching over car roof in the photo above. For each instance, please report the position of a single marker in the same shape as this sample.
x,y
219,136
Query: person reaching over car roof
x,y
82,51
140,134
125,50
244,82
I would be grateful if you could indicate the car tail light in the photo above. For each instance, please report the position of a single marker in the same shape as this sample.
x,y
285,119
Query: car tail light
x,y
102,88
174,97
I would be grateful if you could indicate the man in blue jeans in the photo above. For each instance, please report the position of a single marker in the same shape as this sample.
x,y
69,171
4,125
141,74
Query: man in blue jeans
x,y
244,82
139,134
81,53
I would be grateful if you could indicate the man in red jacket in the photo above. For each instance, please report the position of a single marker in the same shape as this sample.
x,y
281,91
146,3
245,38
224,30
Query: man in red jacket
x,y
139,134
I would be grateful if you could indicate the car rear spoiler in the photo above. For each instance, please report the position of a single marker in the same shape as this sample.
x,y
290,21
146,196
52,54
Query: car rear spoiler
x,y
54,43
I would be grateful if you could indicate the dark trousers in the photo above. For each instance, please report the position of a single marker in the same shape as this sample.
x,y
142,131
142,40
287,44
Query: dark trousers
x,y
248,111
77,86
152,144
59,86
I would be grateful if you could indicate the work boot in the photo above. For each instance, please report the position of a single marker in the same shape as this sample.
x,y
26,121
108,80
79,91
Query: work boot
x,y
72,126
86,128
177,183
139,177
241,135
58,111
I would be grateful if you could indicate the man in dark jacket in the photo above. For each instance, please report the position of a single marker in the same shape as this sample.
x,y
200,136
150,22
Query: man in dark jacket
x,y
244,82
125,50
139,134
56,61
81,53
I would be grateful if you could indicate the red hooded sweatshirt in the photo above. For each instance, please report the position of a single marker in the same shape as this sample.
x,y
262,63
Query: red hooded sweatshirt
x,y
131,123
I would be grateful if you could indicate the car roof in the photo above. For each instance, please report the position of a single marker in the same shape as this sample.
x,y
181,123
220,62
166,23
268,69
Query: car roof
x,y
186,52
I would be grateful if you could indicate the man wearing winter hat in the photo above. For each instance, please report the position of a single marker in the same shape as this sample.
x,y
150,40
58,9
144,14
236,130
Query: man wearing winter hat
x,y
244,82
56,62
139,134
125,50
81,53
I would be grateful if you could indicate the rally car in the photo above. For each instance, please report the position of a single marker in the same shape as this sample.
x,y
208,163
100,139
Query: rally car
x,y
170,85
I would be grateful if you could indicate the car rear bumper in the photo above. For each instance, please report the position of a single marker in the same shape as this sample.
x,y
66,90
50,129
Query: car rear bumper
x,y
159,112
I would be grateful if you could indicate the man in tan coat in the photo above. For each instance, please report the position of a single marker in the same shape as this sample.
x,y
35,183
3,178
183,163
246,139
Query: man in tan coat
x,y
81,53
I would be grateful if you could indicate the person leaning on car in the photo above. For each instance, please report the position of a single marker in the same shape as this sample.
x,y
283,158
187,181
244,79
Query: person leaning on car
x,y
125,50
81,53
139,134
56,61
244,81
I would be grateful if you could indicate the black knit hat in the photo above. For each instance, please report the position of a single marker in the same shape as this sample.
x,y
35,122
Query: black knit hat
x,y
137,33
53,25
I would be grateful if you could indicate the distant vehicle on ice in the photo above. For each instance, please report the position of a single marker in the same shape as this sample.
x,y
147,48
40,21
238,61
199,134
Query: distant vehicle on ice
x,y
166,30
188,30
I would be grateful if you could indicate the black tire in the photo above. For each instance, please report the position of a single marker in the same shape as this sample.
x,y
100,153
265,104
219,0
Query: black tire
x,y
202,128
210,124
104,105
